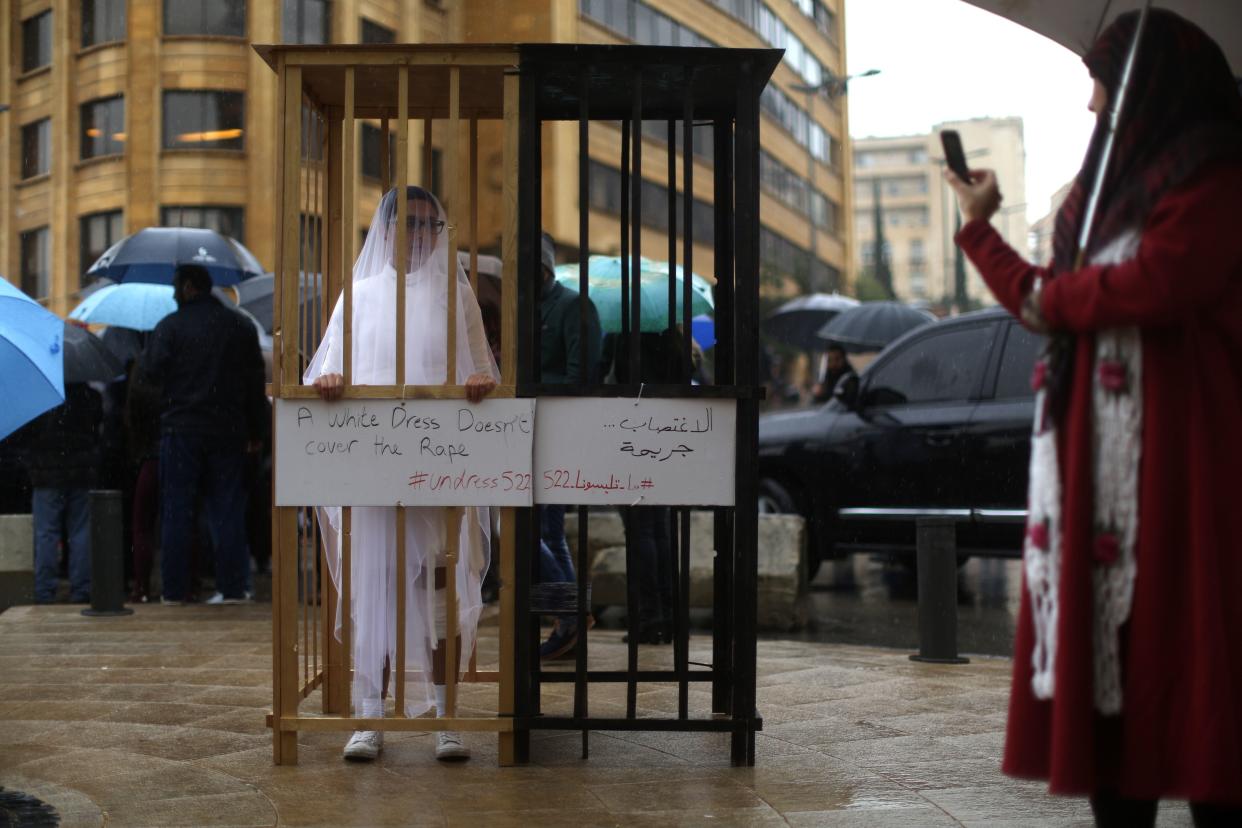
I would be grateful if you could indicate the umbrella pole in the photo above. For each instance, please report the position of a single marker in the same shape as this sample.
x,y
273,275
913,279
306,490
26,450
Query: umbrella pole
x,y
1084,235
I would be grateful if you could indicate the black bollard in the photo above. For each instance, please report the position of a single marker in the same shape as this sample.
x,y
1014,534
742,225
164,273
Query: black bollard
x,y
937,562
107,555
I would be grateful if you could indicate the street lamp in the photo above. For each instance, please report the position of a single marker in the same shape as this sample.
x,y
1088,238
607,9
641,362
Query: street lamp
x,y
831,87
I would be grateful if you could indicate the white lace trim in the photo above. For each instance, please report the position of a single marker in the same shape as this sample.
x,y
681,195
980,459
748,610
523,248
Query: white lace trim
x,y
1117,433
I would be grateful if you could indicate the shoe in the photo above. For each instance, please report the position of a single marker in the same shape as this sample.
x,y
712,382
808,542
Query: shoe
x,y
647,634
364,745
560,643
450,748
170,603
219,600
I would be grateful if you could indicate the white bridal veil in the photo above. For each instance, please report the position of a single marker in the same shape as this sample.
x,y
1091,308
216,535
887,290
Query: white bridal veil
x,y
374,579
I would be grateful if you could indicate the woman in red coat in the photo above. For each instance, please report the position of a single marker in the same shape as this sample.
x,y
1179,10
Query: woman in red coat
x,y
1127,683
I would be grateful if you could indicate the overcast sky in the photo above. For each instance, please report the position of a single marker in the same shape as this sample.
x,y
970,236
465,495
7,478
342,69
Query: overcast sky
x,y
945,60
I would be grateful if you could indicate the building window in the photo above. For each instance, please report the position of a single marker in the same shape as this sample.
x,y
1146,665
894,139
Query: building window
x,y
306,21
221,18
373,32
103,127
97,232
37,41
37,148
203,120
36,262
370,155
103,21
227,221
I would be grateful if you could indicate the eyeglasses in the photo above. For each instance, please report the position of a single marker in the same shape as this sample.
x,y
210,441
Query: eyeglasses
x,y
418,224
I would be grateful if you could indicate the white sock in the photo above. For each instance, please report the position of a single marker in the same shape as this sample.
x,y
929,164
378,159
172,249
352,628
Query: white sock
x,y
441,703
373,708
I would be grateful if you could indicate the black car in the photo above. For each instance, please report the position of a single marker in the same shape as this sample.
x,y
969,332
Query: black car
x,y
939,424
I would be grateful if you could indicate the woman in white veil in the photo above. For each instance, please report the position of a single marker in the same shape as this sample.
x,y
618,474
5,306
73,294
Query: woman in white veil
x,y
374,580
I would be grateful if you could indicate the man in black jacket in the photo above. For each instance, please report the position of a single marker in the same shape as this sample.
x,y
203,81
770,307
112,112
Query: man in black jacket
x,y
206,357
61,452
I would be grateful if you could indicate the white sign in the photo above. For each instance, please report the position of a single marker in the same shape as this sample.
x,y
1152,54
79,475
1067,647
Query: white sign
x,y
635,452
413,452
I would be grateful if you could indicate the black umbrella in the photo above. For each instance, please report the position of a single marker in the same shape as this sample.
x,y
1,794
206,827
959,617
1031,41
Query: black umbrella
x,y
124,343
87,358
872,325
257,296
796,321
152,254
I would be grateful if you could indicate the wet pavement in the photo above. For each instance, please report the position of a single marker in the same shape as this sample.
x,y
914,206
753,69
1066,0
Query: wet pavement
x,y
158,719
872,599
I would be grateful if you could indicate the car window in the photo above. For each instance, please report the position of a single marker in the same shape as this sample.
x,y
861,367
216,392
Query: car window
x,y
942,366
1017,362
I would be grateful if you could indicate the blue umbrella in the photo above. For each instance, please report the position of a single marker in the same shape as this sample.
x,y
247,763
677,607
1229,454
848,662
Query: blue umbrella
x,y
136,305
32,359
703,329
605,286
152,254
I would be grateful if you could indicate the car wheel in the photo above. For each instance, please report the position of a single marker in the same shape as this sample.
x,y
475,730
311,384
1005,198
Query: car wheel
x,y
775,499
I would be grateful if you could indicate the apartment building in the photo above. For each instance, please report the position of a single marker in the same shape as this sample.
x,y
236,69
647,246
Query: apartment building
x,y
899,188
122,115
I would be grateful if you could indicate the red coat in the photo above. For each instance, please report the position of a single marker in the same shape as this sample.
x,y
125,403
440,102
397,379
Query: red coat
x,y
1180,730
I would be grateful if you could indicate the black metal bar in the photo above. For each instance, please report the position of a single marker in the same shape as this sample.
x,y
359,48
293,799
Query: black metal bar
x,y
664,725
682,651
722,575
526,633
619,676
625,234
937,562
746,517
687,162
705,392
636,268
586,373
632,611
672,224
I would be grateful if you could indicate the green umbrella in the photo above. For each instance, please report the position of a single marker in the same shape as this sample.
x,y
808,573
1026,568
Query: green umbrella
x,y
604,280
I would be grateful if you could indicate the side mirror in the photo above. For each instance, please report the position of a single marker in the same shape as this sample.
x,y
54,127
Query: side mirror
x,y
846,391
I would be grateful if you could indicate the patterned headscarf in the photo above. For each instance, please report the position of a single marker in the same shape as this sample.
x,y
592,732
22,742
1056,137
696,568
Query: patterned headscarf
x,y
1182,113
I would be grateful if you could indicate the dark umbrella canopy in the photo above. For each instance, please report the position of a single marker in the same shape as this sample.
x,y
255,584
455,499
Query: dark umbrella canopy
x,y
872,325
152,254
87,358
796,321
257,296
124,343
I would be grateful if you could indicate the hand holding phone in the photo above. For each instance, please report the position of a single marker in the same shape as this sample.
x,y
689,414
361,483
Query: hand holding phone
x,y
954,157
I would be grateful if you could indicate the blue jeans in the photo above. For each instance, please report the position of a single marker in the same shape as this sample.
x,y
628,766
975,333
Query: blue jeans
x,y
190,465
61,514
555,561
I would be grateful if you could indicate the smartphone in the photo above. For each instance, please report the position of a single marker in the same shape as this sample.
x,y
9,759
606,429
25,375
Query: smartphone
x,y
953,155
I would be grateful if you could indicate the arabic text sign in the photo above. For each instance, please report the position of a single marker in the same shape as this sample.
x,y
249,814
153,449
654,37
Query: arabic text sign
x,y
622,451
414,452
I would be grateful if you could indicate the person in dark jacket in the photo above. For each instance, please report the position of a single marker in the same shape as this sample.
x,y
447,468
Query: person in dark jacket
x,y
61,451
560,340
206,359
142,426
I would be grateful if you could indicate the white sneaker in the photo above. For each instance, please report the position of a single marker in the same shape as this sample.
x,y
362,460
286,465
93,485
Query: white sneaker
x,y
449,747
219,600
364,745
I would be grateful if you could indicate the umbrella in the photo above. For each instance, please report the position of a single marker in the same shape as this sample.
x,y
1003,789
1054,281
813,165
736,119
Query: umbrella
x,y
31,359
257,296
703,330
152,254
872,325
605,291
1075,24
124,343
136,305
796,321
87,358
